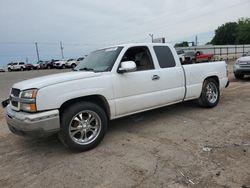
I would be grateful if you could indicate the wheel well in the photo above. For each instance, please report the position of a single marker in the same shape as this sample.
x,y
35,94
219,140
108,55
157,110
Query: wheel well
x,y
215,78
97,99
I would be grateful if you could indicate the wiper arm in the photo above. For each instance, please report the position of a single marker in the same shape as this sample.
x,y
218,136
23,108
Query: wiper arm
x,y
86,69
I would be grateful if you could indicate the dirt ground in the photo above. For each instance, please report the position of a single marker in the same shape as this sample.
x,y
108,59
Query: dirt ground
x,y
176,146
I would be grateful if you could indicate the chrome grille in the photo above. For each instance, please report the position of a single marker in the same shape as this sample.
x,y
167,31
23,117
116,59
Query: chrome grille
x,y
14,93
244,63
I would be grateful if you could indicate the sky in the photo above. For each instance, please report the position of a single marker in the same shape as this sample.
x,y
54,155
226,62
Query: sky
x,y
86,25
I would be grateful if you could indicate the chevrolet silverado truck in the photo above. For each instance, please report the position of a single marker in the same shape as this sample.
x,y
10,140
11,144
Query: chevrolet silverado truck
x,y
110,83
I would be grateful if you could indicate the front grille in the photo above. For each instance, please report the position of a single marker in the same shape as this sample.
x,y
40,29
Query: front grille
x,y
244,63
15,92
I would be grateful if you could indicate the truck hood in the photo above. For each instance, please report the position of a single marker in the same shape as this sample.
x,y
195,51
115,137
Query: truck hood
x,y
44,81
246,58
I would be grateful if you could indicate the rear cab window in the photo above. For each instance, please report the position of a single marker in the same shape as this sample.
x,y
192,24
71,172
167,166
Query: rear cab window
x,y
164,56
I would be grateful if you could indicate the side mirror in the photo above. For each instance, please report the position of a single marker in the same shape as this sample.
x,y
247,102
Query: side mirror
x,y
127,66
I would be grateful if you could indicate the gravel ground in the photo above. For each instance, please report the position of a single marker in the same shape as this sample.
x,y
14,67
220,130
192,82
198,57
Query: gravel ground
x,y
176,146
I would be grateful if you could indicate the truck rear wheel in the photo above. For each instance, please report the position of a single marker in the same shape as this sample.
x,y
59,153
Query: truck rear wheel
x,y
210,94
83,126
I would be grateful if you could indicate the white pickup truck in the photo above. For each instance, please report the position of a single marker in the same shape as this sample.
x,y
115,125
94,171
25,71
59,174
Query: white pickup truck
x,y
110,83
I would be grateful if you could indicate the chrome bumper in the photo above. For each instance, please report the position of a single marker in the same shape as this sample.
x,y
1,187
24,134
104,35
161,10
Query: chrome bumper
x,y
33,125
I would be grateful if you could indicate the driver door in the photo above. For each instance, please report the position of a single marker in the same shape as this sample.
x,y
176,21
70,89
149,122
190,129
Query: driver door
x,y
139,90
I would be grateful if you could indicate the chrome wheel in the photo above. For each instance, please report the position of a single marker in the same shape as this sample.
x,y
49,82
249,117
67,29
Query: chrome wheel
x,y
211,92
85,127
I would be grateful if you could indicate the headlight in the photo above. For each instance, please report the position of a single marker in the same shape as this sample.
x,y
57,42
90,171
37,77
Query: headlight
x,y
28,103
237,62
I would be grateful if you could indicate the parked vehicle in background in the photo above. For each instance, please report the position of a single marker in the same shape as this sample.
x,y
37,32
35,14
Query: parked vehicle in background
x,y
47,64
29,66
2,69
16,66
246,54
36,66
181,55
110,83
242,67
72,63
197,56
52,62
61,64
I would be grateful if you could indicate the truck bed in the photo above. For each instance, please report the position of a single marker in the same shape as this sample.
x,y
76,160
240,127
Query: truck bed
x,y
196,73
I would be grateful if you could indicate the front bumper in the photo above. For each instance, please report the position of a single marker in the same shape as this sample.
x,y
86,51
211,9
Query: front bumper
x,y
33,125
241,70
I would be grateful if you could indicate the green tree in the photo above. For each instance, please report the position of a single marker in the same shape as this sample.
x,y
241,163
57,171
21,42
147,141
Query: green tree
x,y
225,34
233,33
243,31
182,44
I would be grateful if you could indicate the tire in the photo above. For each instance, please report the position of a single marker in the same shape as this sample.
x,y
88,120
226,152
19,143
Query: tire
x,y
63,67
73,66
48,67
22,69
210,94
9,69
238,76
80,133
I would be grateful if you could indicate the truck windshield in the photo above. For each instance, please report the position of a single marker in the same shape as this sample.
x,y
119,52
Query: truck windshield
x,y
100,60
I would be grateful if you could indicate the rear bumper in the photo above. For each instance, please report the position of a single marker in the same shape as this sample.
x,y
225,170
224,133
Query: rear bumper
x,y
33,125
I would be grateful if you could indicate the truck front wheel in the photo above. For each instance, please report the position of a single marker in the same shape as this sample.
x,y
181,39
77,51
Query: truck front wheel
x,y
83,126
210,94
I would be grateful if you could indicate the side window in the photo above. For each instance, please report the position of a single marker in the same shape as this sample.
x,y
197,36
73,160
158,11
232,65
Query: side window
x,y
141,56
21,63
14,63
164,56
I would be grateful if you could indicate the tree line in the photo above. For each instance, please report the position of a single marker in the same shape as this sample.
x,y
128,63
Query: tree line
x,y
229,33
233,33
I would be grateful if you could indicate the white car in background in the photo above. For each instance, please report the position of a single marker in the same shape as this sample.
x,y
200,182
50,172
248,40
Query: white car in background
x,y
60,64
2,69
36,66
16,66
72,63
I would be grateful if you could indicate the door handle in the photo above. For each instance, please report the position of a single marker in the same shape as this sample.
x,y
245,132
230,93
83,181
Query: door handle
x,y
155,77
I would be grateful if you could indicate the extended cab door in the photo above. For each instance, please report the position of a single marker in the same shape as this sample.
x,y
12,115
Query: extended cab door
x,y
172,80
138,90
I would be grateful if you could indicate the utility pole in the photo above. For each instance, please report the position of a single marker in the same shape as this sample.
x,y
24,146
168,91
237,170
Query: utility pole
x,y
196,40
27,60
37,52
61,50
152,37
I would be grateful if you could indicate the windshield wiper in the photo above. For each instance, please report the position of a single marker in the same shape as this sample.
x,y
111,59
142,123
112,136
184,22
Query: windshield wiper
x,y
86,69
